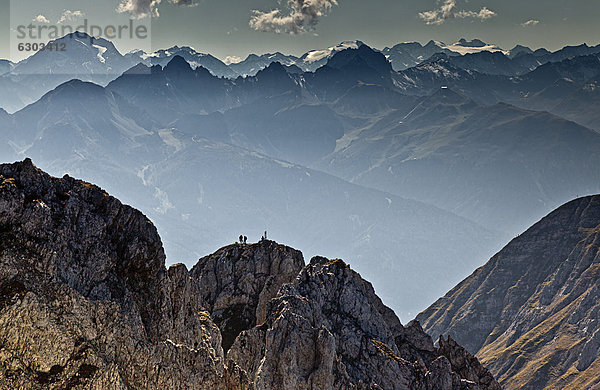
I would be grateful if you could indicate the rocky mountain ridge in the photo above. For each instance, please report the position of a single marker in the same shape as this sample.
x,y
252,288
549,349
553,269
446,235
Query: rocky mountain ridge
x,y
531,313
86,303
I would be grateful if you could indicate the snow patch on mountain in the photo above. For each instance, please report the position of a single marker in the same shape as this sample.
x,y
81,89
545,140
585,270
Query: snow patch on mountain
x,y
101,51
318,55
469,47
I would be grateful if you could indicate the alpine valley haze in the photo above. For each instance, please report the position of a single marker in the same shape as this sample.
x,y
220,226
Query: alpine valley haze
x,y
439,177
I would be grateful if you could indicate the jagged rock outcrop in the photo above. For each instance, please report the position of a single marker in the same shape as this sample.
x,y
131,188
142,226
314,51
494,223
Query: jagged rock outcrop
x,y
87,303
465,364
328,330
86,300
531,313
237,282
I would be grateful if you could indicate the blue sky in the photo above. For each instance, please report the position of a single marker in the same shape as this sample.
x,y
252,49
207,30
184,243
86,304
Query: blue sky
x,y
237,28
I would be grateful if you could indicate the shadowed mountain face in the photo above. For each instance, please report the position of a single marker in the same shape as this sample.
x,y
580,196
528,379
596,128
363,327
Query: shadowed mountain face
x,y
531,313
194,58
86,302
167,93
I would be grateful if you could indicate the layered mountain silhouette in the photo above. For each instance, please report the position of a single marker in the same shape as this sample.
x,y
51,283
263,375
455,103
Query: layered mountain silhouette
x,y
530,313
354,141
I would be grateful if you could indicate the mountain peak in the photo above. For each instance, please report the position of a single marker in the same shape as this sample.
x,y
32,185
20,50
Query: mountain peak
x,y
474,46
177,63
140,68
321,55
361,55
433,43
77,86
519,50
274,68
77,35
471,43
88,40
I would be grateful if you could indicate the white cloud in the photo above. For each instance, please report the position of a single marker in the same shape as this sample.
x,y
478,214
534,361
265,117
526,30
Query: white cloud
x,y
302,17
139,8
530,23
447,10
185,3
439,16
69,16
483,14
143,8
232,60
41,19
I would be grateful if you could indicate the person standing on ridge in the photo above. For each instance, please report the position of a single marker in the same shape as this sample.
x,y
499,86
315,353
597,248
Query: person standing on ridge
x,y
245,240
241,239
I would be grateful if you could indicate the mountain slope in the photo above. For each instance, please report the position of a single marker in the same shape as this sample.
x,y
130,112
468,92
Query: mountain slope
x,y
169,92
530,314
500,166
86,302
567,87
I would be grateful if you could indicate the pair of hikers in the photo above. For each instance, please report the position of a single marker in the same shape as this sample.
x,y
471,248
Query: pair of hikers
x,y
244,239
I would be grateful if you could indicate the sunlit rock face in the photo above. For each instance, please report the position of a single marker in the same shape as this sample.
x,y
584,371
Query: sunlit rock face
x,y
87,303
530,314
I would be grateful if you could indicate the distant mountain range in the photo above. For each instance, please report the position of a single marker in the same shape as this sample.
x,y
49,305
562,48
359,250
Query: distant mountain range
x,y
98,61
431,167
